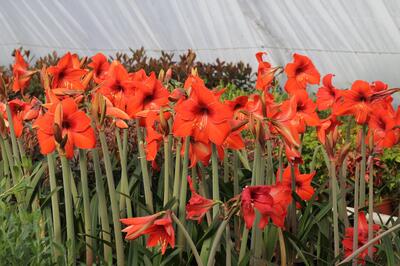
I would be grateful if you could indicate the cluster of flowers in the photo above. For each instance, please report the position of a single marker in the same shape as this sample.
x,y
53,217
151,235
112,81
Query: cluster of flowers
x,y
81,94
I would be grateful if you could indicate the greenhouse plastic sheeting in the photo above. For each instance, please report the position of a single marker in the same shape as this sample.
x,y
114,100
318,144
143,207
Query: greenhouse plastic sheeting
x,y
356,39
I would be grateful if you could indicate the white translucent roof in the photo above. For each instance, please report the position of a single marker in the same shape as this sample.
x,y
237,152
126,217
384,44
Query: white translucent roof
x,y
356,39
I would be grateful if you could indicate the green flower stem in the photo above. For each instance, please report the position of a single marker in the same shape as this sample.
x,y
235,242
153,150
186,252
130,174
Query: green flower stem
x,y
11,164
243,244
86,207
355,225
257,236
215,242
148,195
188,239
14,143
282,247
183,191
21,148
123,155
113,199
363,165
370,204
167,160
335,209
226,166
215,180
6,166
270,170
228,246
54,203
68,210
105,224
236,189
177,173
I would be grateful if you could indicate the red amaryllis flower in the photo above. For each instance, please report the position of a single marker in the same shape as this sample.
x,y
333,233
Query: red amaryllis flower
x,y
300,73
382,125
305,111
67,126
100,66
265,73
150,95
197,206
20,112
202,116
356,101
327,126
198,152
282,197
21,74
118,86
256,197
67,74
303,182
160,231
327,95
362,238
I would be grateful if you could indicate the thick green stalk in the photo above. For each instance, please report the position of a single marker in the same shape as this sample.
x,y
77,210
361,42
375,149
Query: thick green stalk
x,y
54,203
282,247
86,207
370,204
148,195
167,160
183,191
226,166
243,244
270,170
177,173
228,246
14,143
105,224
215,180
292,207
257,236
113,199
68,210
216,240
188,239
6,166
335,209
355,225
363,166
123,153
236,227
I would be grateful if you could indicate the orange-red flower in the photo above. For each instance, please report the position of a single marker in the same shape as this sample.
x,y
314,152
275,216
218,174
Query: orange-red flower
x,y
270,201
160,231
265,73
328,126
21,111
328,94
150,95
362,238
21,74
67,74
356,101
382,125
305,111
202,116
100,66
197,206
300,73
118,86
65,126
255,197
303,182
